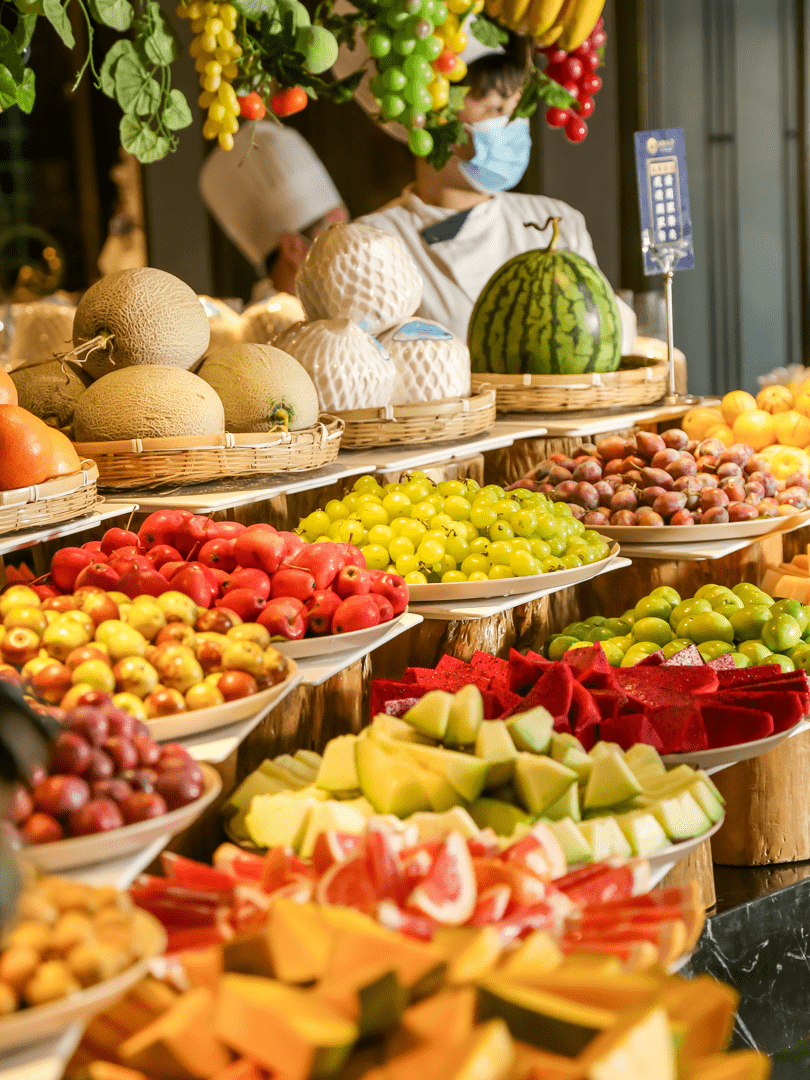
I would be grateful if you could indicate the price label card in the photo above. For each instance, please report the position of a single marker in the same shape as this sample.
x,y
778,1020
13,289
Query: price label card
x,y
663,194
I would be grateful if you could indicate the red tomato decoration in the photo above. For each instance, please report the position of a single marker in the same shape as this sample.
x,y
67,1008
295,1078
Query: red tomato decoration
x,y
251,106
288,101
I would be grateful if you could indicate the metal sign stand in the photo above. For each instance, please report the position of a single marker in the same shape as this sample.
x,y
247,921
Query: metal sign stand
x,y
667,256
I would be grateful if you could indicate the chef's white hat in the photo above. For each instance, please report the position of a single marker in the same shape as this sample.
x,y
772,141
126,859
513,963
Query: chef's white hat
x,y
272,182
349,60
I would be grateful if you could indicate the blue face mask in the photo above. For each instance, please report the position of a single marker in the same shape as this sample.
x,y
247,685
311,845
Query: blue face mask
x,y
502,152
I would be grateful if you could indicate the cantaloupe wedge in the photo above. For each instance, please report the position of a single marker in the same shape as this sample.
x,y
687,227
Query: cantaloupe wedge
x,y
704,1011
533,959
486,1054
374,999
611,991
740,1065
106,1070
360,941
242,1069
203,967
180,1044
533,1064
638,1047
448,1016
292,1032
299,941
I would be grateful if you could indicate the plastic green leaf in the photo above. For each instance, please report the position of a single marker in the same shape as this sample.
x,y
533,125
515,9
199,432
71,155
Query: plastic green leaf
x,y
176,113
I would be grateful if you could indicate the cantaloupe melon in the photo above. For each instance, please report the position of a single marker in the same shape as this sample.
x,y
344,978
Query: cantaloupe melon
x,y
50,391
262,321
148,402
224,324
261,388
153,317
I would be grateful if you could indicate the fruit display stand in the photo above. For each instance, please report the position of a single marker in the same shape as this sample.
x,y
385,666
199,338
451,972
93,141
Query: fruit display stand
x,y
407,425
104,510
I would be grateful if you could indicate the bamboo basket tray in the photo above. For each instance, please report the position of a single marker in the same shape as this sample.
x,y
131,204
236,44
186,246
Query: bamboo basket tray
x,y
62,499
152,463
431,422
598,390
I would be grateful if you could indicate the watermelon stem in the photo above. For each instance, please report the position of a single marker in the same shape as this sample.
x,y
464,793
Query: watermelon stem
x,y
554,222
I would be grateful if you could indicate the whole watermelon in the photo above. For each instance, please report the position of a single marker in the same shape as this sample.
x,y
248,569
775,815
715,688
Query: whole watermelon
x,y
546,312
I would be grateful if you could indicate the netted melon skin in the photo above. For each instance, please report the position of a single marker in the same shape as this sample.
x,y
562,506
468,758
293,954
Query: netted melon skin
x,y
155,318
261,387
50,391
361,273
349,368
147,402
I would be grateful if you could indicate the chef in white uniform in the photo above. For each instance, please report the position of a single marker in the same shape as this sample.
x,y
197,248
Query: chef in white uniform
x,y
461,223
272,196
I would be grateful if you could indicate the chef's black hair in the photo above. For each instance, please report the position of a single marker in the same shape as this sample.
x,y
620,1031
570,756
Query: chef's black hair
x,y
503,72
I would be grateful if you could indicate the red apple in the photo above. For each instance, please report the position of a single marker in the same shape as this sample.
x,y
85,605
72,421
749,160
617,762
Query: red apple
x,y
159,528
101,766
164,702
294,582
163,553
352,581
52,682
90,722
323,560
384,604
70,754
115,789
194,582
286,617
93,546
122,752
216,621
357,612
236,684
147,749
100,607
392,587
178,789
100,815
140,779
58,795
293,543
99,574
229,530
143,805
66,565
60,604
322,606
261,547
140,582
249,578
22,805
247,605
42,829
218,553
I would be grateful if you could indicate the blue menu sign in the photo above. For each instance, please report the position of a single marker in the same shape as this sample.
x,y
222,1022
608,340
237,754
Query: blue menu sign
x,y
663,194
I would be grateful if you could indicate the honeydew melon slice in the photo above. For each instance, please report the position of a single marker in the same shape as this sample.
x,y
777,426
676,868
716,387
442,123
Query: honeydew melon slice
x,y
579,761
338,770
390,783
572,840
466,717
645,762
562,742
289,779
610,782
710,784
601,748
670,781
442,795
605,838
393,727
309,757
503,817
341,817
681,817
540,781
567,806
258,783
437,825
532,730
297,768
278,820
431,713
466,773
643,832
494,744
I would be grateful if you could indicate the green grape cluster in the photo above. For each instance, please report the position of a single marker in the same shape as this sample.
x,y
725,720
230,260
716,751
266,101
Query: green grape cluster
x,y
404,48
455,531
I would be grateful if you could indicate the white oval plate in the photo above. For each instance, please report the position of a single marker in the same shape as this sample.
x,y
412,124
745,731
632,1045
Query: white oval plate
x,y
335,643
696,534
480,590
79,851
198,721
722,756
672,855
41,1021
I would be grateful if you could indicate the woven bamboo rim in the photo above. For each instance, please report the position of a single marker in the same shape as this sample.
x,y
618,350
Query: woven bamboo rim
x,y
431,422
62,499
152,463
596,390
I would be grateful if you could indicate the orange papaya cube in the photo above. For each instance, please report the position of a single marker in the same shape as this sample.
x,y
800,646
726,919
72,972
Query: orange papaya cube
x,y
533,1064
486,1054
105,1070
180,1044
203,967
704,1010
535,957
300,941
739,1065
638,1047
292,1032
613,991
360,941
445,1017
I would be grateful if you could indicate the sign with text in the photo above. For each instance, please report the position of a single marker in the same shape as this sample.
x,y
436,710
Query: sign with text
x,y
663,195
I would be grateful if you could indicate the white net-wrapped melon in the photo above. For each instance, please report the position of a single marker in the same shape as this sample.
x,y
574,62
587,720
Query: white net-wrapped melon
x,y
350,369
361,273
40,330
431,364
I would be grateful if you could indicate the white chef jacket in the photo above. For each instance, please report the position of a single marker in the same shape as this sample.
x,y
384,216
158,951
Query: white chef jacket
x,y
456,269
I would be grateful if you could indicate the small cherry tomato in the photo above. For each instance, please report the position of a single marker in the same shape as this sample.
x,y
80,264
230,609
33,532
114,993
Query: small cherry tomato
x,y
445,62
288,101
251,106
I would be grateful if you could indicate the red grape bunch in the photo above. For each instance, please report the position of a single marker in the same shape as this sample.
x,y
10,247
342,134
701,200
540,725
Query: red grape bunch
x,y
576,73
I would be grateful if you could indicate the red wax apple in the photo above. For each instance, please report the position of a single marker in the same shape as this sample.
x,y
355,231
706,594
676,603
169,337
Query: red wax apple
x,y
59,795
247,605
52,682
352,581
236,684
294,582
392,587
99,574
45,591
293,544
115,538
159,528
218,553
139,582
100,815
169,569
42,829
322,606
249,578
260,546
163,553
137,562
352,556
94,547
143,805
195,531
384,604
229,530
66,565
356,613
99,606
286,617
193,581
322,560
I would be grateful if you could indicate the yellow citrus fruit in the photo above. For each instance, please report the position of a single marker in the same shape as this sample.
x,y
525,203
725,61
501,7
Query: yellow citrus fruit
x,y
775,399
792,428
787,460
698,421
736,402
802,404
795,389
722,432
755,427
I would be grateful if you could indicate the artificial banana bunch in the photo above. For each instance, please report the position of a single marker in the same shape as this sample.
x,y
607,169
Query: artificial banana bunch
x,y
578,18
